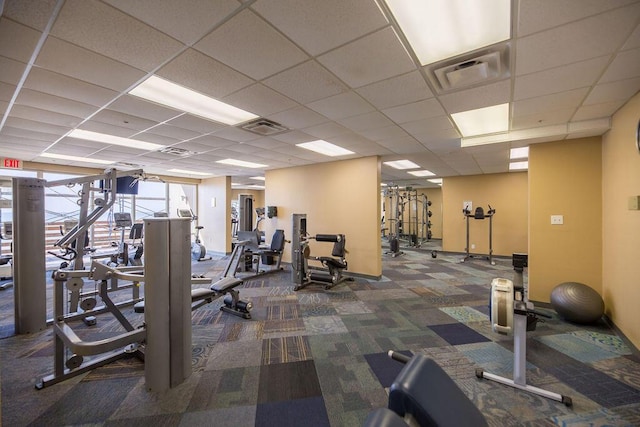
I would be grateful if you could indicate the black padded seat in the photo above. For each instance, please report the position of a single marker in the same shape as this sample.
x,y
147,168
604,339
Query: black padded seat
x,y
226,283
384,417
424,390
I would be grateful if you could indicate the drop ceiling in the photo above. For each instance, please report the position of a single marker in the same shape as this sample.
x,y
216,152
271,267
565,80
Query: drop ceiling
x,y
333,69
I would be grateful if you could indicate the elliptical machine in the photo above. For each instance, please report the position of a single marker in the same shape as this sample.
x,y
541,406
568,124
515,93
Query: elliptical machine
x,y
198,250
513,314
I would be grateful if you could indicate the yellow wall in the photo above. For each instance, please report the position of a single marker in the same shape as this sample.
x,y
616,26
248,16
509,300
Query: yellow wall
x,y
506,193
621,226
337,197
565,179
216,235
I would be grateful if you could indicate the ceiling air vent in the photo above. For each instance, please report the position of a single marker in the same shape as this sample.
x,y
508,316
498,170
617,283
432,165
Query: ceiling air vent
x,y
176,151
471,70
264,127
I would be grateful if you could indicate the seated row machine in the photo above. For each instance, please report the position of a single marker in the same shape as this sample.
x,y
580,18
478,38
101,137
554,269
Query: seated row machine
x,y
302,274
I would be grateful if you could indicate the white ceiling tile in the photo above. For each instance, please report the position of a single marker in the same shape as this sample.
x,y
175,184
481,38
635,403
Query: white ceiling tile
x,y
614,91
251,46
341,106
73,61
44,116
138,107
359,63
430,125
45,101
438,138
107,128
306,83
403,146
568,77
634,40
197,124
17,41
186,21
104,29
327,130
404,89
123,120
385,133
11,71
203,74
578,41
415,111
67,87
235,134
260,100
32,13
596,111
478,97
294,137
367,121
298,118
204,144
27,130
538,15
318,26
625,65
266,144
540,104
542,118
172,132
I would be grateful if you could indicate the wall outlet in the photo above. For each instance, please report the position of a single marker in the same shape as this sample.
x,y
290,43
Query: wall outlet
x,y
557,219
473,246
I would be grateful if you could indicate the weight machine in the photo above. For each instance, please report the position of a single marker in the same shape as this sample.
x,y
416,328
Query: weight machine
x,y
302,274
408,216
480,214
513,314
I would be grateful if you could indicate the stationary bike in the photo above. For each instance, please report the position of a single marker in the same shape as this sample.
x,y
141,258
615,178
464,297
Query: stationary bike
x,y
198,250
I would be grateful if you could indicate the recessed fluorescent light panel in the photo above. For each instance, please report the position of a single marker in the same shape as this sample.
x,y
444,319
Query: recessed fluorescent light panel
x,y
518,166
436,181
257,187
422,173
76,158
258,178
114,140
483,121
164,92
402,164
441,29
519,153
241,163
324,147
190,172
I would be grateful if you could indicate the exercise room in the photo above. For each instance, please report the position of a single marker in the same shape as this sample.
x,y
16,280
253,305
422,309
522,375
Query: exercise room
x,y
319,213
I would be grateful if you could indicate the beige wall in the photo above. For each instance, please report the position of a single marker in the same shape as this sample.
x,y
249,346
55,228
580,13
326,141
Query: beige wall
x,y
506,193
565,179
337,197
621,226
216,235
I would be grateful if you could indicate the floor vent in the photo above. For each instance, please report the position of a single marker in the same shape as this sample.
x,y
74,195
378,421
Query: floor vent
x,y
264,127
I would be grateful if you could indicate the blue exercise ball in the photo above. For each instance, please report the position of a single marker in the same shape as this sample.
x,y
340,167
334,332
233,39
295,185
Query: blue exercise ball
x,y
577,302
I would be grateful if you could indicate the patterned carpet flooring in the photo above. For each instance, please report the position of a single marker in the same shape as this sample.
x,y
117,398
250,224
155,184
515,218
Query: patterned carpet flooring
x,y
317,357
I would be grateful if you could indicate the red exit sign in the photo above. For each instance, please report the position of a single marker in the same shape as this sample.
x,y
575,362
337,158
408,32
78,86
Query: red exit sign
x,y
8,163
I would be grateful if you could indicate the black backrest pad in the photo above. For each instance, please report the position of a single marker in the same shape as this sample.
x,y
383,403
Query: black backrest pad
x,y
277,241
424,390
338,247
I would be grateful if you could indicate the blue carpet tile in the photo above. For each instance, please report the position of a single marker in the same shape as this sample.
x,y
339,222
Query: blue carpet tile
x,y
293,413
458,333
384,367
